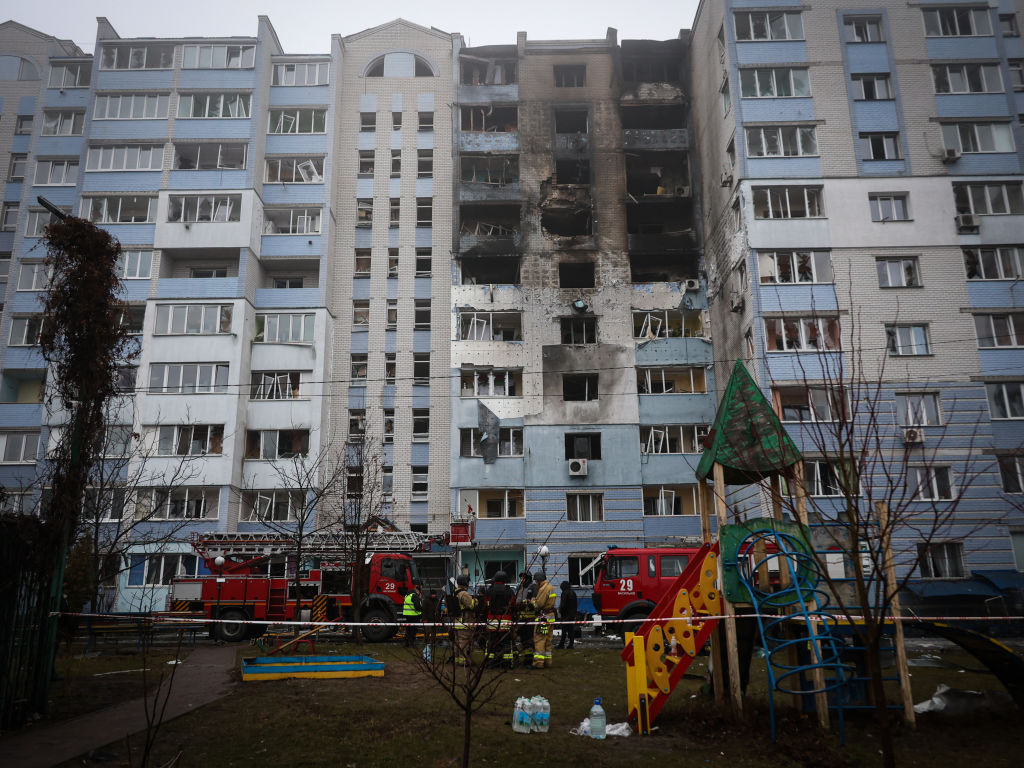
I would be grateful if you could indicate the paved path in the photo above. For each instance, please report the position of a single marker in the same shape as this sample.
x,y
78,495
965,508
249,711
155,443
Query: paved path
x,y
203,677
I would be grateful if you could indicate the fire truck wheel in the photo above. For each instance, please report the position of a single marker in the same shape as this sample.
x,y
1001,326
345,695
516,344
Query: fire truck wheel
x,y
378,630
232,630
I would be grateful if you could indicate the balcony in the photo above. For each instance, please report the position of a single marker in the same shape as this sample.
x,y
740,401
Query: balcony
x,y
489,229
651,138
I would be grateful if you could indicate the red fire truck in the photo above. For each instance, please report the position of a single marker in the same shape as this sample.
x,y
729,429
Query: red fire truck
x,y
249,579
628,583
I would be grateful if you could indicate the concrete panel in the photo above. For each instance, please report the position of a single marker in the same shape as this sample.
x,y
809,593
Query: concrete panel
x,y
770,52
119,181
136,130
223,179
226,79
300,95
231,128
784,167
132,80
267,298
798,298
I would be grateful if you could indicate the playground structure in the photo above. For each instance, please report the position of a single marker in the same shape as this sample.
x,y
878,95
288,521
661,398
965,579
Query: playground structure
x,y
810,653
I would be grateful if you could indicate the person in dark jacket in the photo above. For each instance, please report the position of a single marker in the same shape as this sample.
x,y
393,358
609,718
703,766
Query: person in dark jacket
x,y
567,612
500,598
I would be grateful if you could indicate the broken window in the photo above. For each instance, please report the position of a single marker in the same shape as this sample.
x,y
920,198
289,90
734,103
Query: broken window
x,y
426,121
394,212
421,315
653,118
582,445
295,120
309,73
424,212
490,270
421,368
291,221
491,382
420,423
651,69
796,267
273,385
671,381
810,403
396,163
295,170
424,163
201,157
490,220
396,121
579,386
510,442
366,158
673,438
670,500
570,75
364,212
657,173
575,171
356,424
579,330
424,257
801,334
571,121
500,119
651,268
490,326
666,323
497,170
576,274
209,105
484,72
367,121
361,312
362,263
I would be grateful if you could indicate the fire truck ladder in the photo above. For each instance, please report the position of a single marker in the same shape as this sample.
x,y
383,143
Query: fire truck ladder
x,y
331,544
656,664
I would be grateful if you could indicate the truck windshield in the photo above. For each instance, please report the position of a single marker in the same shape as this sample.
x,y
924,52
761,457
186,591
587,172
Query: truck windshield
x,y
620,567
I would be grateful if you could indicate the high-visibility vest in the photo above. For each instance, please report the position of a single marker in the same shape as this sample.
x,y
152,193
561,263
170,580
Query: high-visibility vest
x,y
408,609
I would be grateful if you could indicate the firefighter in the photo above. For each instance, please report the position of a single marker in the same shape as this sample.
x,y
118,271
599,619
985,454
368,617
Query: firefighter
x,y
466,607
412,612
525,614
499,622
544,602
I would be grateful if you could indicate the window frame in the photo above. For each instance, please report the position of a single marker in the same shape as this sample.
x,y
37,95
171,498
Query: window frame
x,y
1012,329
801,264
931,483
918,409
936,19
1011,404
1006,260
860,79
884,266
767,78
166,319
790,30
824,327
1011,194
55,121
208,56
780,140
896,346
191,378
283,121
770,195
947,76
267,324
574,511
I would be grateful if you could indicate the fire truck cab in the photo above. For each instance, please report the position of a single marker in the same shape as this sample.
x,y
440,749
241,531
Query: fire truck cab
x,y
629,582
252,579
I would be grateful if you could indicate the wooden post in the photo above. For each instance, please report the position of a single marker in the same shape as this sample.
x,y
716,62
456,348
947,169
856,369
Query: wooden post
x,y
717,657
784,581
817,674
909,716
705,512
731,647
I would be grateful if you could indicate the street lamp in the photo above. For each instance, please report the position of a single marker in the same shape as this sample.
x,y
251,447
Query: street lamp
x,y
543,553
219,562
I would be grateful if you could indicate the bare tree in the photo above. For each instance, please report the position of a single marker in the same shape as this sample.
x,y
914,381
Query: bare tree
x,y
474,683
873,496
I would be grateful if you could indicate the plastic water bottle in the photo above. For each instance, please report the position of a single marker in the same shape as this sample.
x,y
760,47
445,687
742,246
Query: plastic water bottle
x,y
537,714
531,712
598,721
545,715
521,718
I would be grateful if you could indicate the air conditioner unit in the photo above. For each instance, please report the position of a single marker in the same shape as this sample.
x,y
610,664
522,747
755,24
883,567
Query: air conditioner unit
x,y
577,467
726,180
693,285
967,221
682,191
913,436
951,155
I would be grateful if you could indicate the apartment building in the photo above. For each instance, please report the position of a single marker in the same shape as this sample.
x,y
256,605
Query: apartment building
x,y
580,383
863,213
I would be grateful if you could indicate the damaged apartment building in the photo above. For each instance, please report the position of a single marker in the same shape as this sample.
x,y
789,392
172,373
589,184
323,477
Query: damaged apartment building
x,y
581,388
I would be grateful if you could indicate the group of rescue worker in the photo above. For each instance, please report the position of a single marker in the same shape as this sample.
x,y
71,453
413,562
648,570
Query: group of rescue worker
x,y
515,625
531,607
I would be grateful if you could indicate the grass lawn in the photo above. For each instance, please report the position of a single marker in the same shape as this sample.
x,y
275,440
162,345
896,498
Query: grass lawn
x,y
405,719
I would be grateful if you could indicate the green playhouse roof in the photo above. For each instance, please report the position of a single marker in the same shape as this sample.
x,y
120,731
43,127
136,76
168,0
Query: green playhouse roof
x,y
747,438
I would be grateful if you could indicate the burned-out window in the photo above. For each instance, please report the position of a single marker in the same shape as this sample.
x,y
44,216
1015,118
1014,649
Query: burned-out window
x,y
579,330
570,75
580,386
576,275
579,445
572,121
